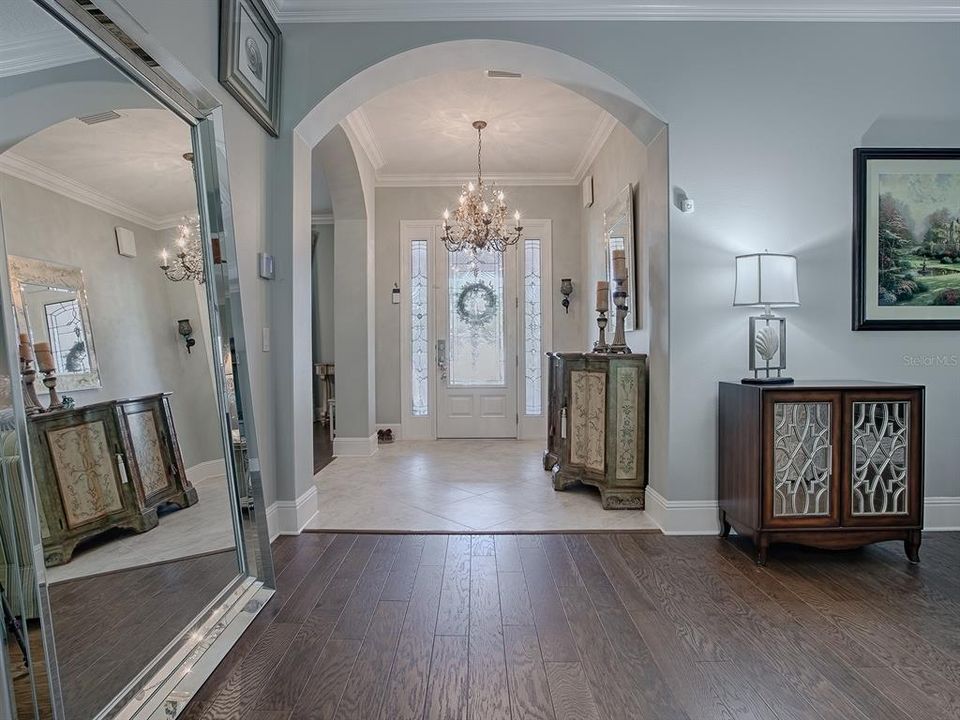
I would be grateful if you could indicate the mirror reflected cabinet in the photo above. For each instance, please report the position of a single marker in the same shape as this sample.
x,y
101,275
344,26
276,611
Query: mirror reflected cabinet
x,y
50,306
618,234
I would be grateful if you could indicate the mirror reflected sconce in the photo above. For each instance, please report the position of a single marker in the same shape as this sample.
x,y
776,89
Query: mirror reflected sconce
x,y
186,330
566,289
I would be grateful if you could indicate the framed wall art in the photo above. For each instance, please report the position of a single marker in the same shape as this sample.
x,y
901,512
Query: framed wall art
x,y
250,56
906,239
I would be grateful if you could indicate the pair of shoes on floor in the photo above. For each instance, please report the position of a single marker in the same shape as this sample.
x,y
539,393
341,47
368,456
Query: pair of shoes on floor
x,y
385,437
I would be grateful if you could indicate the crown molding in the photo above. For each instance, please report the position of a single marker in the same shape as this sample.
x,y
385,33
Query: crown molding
x,y
458,179
305,11
33,172
598,138
359,125
40,51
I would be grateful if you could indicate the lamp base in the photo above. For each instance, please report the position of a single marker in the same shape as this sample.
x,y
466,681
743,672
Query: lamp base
x,y
767,381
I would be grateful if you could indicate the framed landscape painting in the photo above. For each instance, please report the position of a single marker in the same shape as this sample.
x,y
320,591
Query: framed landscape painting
x,y
906,244
250,55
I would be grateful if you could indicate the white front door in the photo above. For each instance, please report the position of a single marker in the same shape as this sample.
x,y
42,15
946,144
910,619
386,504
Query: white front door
x,y
477,351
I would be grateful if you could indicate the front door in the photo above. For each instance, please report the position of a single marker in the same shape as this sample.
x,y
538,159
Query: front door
x,y
476,344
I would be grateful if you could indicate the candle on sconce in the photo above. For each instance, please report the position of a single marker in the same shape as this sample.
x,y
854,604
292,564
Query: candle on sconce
x,y
25,351
164,258
619,265
603,296
44,356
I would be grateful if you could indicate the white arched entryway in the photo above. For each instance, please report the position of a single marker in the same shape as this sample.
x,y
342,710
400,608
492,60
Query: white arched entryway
x,y
292,307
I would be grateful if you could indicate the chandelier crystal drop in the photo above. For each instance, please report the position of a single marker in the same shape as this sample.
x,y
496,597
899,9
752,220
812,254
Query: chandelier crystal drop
x,y
187,262
479,222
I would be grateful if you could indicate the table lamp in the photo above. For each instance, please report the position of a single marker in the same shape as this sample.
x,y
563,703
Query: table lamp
x,y
767,280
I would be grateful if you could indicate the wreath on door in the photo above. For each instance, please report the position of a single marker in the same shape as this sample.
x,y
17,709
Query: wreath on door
x,y
476,304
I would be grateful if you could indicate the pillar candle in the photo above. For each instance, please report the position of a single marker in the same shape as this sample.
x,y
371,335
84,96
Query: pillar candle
x,y
26,352
603,296
44,356
619,265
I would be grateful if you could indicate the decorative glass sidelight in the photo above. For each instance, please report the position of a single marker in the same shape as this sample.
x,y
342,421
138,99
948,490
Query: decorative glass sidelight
x,y
419,328
880,437
477,352
532,324
802,459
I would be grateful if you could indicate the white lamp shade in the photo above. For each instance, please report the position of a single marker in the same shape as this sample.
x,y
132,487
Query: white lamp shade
x,y
767,279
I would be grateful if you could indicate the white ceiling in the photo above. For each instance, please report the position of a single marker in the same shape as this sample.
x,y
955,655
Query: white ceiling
x,y
32,40
420,133
810,10
132,166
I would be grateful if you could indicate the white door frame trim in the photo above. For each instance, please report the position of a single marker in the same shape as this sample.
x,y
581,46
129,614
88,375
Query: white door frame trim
x,y
425,428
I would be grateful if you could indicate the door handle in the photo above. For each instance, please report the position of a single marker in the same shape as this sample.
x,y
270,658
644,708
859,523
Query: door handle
x,y
442,358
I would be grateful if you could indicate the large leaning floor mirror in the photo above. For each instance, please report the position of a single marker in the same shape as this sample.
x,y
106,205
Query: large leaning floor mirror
x,y
133,547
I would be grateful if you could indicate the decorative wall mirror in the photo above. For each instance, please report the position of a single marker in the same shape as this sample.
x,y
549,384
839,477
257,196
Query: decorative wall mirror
x,y
618,234
50,306
133,541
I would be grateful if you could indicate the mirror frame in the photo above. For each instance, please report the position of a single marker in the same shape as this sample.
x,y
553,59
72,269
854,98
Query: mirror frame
x,y
622,209
32,271
166,686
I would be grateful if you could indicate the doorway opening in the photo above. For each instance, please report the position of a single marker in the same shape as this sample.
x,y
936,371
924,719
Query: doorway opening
x,y
442,426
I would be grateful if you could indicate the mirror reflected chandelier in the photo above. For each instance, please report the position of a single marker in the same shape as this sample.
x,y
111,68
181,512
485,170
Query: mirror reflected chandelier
x,y
479,222
187,263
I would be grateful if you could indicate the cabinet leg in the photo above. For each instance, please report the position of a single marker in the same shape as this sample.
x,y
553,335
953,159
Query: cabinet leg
x,y
911,547
763,544
724,525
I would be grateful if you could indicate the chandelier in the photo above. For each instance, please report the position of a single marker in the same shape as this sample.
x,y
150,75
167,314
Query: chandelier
x,y
187,263
478,223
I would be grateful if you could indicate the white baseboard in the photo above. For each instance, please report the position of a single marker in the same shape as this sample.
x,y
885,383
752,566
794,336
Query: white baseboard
x,y
206,471
289,517
700,517
355,447
396,427
683,517
941,514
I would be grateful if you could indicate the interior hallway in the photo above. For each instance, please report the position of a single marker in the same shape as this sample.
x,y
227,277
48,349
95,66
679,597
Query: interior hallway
x,y
600,626
459,486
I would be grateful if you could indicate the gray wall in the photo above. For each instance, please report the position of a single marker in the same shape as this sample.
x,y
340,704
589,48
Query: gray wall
x,y
323,301
559,204
763,118
621,160
133,308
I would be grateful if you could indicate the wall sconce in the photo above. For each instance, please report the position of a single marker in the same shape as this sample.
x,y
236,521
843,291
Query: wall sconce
x,y
566,289
186,330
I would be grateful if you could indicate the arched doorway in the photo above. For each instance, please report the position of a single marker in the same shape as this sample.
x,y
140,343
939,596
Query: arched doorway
x,y
295,451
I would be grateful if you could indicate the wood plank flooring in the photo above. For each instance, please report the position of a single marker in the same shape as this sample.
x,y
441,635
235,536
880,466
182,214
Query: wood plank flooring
x,y
109,627
595,627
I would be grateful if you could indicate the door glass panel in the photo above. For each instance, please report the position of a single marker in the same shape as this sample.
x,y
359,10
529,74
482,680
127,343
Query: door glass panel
x,y
532,317
419,324
476,343
801,459
880,438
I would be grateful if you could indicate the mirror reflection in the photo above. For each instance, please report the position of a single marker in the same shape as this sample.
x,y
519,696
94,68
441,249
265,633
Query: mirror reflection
x,y
119,373
618,234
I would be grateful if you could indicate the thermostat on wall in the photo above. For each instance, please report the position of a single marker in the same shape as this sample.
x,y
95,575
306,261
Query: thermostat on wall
x,y
265,265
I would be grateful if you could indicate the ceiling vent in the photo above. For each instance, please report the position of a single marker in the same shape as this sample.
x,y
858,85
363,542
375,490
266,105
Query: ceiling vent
x,y
504,74
100,117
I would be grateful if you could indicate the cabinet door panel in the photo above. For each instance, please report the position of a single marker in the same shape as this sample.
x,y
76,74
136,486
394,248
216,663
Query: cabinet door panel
x,y
800,459
882,459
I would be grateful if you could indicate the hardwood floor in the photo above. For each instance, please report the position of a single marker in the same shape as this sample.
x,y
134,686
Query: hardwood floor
x,y
109,627
591,627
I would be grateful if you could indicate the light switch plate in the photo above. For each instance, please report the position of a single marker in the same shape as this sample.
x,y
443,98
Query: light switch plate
x,y
265,265
266,339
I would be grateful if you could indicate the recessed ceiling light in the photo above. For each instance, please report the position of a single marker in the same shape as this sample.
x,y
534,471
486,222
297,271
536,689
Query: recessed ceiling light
x,y
503,74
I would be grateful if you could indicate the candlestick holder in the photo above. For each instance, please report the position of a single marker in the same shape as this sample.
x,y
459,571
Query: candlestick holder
x,y
50,383
29,376
600,346
619,344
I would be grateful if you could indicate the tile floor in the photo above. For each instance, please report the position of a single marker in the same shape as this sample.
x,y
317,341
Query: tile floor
x,y
198,529
459,486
